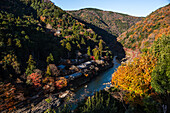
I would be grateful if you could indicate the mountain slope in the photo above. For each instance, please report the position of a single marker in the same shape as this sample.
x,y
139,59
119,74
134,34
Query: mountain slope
x,y
140,36
36,29
35,37
112,22
143,33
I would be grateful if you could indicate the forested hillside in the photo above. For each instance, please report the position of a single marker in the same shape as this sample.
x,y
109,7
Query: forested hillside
x,y
145,80
33,35
112,22
143,33
36,28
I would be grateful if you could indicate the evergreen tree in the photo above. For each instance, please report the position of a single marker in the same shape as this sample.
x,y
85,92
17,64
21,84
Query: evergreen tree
x,y
31,65
88,51
100,47
48,72
73,27
96,53
50,59
82,41
94,36
161,73
78,45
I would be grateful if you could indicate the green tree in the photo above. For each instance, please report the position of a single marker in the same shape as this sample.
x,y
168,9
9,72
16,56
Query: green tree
x,y
63,33
9,43
73,27
96,53
50,59
100,47
88,51
31,65
94,36
78,45
48,72
85,33
161,73
23,32
62,42
27,37
68,46
82,41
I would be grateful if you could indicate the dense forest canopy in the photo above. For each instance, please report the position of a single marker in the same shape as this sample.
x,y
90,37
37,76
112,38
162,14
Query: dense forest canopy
x,y
39,28
36,36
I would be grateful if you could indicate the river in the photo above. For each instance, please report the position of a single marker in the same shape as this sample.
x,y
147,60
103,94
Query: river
x,y
96,84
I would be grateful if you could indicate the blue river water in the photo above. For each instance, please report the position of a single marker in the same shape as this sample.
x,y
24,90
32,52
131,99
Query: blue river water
x,y
98,83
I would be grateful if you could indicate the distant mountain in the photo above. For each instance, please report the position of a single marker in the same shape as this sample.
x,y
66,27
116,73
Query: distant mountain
x,y
112,22
143,33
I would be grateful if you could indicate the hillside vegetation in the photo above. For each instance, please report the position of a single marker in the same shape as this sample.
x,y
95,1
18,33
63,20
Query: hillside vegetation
x,y
112,22
30,27
145,80
143,33
33,35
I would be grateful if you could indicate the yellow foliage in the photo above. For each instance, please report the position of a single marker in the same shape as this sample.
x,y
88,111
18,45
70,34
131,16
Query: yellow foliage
x,y
135,77
48,72
86,75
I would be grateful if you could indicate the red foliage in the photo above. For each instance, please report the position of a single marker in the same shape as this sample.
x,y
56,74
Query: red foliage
x,y
35,79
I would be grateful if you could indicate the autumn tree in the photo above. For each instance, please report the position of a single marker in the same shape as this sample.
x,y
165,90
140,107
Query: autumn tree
x,y
135,77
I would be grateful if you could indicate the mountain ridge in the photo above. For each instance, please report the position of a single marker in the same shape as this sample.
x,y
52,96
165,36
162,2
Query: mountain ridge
x,y
107,20
91,8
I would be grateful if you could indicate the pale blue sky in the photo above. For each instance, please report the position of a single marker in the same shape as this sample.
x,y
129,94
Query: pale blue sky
x,y
131,7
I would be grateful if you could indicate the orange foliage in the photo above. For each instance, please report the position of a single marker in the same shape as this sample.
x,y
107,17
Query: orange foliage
x,y
7,96
62,82
135,77
152,27
42,18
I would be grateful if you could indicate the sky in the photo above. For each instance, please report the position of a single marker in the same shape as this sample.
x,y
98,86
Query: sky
x,y
131,7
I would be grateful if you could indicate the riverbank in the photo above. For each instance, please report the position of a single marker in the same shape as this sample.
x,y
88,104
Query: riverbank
x,y
86,75
40,102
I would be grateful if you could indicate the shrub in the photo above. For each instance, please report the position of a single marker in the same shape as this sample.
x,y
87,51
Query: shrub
x,y
61,82
34,79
